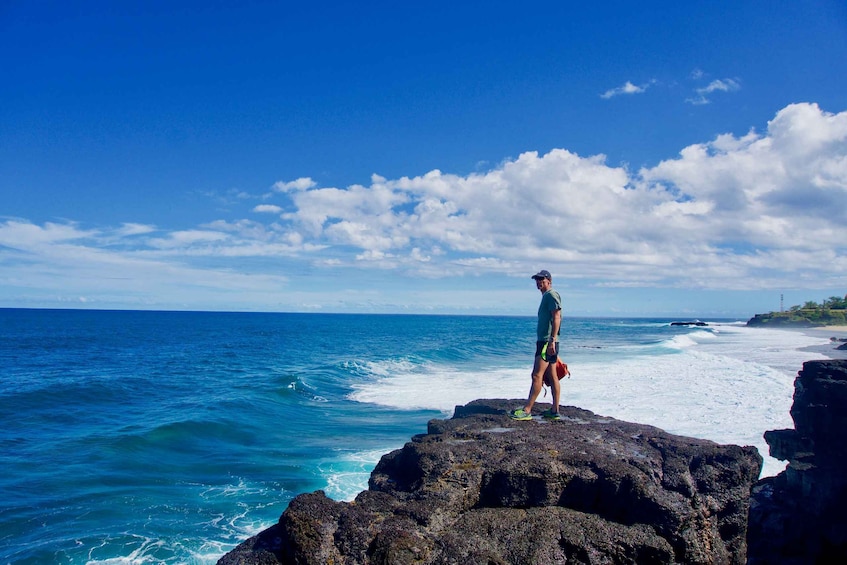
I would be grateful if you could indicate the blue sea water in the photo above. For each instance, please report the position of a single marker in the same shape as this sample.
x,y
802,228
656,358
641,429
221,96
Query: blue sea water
x,y
170,437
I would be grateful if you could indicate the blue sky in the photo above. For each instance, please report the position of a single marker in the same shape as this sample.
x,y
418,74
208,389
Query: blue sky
x,y
659,158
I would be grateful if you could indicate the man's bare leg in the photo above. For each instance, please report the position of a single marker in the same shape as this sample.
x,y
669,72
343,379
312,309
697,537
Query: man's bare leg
x,y
538,370
554,386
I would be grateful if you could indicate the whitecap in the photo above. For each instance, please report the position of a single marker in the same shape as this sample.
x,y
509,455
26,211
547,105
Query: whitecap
x,y
347,475
728,386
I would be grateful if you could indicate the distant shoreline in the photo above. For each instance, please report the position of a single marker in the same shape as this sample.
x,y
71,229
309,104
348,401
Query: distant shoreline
x,y
829,331
828,349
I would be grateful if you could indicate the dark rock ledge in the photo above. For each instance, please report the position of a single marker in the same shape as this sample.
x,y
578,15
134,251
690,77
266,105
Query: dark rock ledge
x,y
481,488
799,516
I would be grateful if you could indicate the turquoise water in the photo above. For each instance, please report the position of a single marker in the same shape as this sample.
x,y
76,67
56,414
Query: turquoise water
x,y
151,437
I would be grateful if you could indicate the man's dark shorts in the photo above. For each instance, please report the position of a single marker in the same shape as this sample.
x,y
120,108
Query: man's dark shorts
x,y
541,351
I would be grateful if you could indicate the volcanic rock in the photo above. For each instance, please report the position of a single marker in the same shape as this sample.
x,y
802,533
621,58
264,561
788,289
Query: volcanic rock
x,y
482,488
798,516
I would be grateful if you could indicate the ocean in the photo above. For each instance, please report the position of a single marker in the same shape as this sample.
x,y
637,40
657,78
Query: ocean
x,y
131,437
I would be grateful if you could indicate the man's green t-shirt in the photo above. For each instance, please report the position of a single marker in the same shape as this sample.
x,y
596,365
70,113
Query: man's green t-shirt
x,y
550,302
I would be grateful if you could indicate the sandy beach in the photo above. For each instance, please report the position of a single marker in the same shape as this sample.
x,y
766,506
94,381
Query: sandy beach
x,y
839,331
829,349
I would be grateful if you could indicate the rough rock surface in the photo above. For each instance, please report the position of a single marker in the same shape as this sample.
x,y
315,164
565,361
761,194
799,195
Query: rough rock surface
x,y
481,488
798,516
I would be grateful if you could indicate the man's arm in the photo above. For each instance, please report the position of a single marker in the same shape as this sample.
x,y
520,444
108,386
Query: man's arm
x,y
555,324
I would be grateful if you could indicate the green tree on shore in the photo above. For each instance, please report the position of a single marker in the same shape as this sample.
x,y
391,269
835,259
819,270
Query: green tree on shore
x,y
831,303
830,312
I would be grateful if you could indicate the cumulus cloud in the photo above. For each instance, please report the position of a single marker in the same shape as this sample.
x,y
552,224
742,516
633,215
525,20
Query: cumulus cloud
x,y
713,215
627,88
780,190
761,209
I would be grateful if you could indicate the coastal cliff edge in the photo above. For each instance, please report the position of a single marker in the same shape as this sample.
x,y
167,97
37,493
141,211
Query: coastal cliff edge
x,y
482,488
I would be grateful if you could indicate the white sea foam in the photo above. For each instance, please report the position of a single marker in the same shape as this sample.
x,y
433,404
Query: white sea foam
x,y
140,555
679,342
381,368
347,475
434,387
232,529
729,384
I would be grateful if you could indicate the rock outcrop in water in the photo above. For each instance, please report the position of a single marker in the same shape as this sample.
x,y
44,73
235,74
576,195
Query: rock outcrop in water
x,y
798,517
481,488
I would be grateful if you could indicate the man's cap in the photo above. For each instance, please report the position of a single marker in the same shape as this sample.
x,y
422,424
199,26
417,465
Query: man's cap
x,y
543,274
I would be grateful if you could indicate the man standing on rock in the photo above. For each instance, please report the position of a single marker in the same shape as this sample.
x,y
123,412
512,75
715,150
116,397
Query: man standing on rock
x,y
546,348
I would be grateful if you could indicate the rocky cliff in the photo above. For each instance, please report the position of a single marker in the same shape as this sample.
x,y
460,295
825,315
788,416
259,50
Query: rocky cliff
x,y
799,515
481,488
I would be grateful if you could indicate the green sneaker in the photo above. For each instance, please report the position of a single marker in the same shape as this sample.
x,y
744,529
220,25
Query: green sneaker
x,y
550,415
520,414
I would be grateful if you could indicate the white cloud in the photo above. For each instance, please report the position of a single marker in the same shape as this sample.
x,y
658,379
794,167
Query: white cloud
x,y
794,176
267,208
187,238
759,210
721,85
22,234
70,265
699,217
303,183
627,88
725,85
128,229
